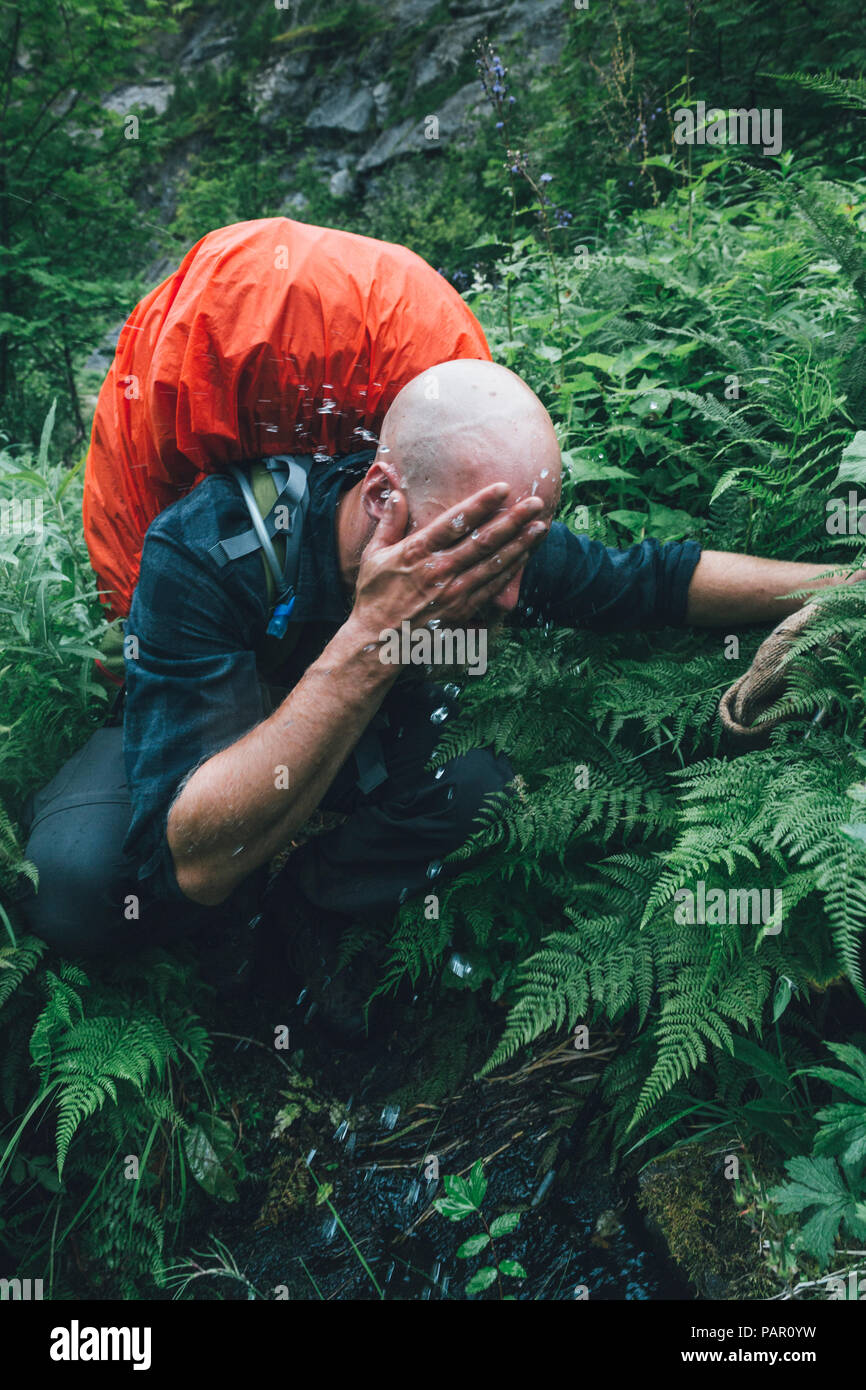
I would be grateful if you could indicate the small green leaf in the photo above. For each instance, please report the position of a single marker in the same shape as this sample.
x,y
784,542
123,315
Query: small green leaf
x,y
514,1268
477,1183
473,1245
505,1224
208,1146
454,1211
482,1280
458,1203
782,997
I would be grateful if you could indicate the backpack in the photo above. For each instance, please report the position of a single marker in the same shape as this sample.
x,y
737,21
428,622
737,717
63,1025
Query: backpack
x,y
276,491
272,337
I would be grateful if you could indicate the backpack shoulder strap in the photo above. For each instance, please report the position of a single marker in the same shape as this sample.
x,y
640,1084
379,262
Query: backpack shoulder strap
x,y
276,493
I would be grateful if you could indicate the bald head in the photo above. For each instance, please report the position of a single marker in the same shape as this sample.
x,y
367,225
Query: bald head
x,y
461,425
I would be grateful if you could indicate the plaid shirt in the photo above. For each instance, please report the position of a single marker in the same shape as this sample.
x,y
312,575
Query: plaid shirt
x,y
193,686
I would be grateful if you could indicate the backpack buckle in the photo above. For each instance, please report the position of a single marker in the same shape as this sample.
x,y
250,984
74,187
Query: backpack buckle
x,y
279,620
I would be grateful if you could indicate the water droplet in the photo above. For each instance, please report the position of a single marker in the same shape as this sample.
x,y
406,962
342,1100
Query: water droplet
x,y
475,535
436,1271
439,715
389,1116
329,1229
301,997
310,1156
341,1131
440,772
434,868
452,691
458,521
433,623
460,966
404,893
545,472
450,796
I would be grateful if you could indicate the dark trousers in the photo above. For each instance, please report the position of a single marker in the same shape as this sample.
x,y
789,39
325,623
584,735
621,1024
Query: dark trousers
x,y
402,820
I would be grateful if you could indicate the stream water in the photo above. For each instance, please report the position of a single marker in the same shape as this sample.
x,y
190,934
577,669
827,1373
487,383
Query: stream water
x,y
375,1232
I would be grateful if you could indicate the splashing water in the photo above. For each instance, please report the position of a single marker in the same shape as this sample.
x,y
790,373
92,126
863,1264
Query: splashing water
x,y
460,966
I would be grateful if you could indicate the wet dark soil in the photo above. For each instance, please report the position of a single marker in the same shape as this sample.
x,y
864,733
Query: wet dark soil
x,y
352,1147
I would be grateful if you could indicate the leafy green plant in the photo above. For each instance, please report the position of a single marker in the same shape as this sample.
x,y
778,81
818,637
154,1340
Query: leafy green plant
x,y
463,1199
831,1182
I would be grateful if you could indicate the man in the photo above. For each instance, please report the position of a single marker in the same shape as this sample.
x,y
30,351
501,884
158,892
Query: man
x,y
450,522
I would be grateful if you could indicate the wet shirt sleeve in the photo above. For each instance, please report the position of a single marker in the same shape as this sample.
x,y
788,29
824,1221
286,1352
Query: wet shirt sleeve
x,y
573,581
192,686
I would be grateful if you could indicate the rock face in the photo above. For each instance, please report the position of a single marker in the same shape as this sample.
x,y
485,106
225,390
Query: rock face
x,y
408,86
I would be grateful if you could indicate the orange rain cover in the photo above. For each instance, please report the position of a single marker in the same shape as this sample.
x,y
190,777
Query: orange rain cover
x,y
272,337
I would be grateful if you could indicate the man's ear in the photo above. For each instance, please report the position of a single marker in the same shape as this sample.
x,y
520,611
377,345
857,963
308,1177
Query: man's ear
x,y
376,489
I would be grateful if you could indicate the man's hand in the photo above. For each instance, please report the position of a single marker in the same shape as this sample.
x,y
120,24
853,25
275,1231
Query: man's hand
x,y
451,568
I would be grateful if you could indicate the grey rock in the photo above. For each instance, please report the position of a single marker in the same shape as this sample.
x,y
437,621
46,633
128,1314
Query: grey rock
x,y
540,23
293,204
103,355
155,95
450,46
382,94
436,129
342,183
411,12
348,109
210,43
277,88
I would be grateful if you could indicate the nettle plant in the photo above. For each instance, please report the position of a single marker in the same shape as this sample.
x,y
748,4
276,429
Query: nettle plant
x,y
462,1201
709,386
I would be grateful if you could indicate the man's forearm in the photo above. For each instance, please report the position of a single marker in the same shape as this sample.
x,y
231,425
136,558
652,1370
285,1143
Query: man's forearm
x,y
729,588
243,805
